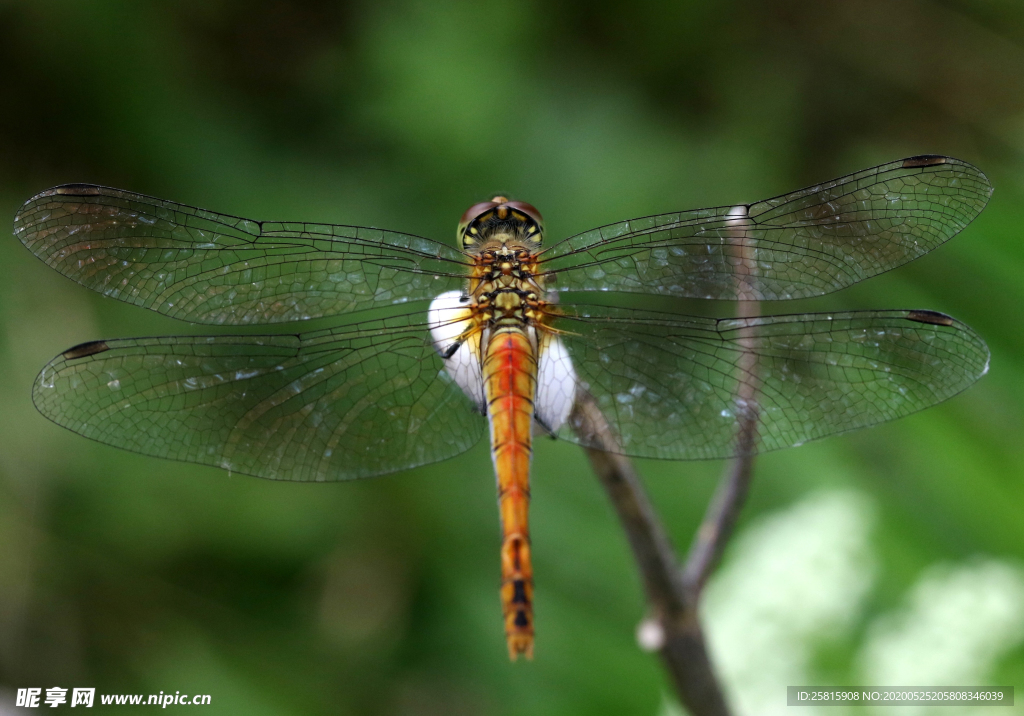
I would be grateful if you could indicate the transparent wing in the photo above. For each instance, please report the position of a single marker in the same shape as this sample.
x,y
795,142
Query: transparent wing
x,y
331,405
806,243
204,267
676,388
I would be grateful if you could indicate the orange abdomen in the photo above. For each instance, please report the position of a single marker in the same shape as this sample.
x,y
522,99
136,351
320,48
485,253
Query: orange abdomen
x,y
510,381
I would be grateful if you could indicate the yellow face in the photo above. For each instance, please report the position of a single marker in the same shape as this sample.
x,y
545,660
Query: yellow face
x,y
500,222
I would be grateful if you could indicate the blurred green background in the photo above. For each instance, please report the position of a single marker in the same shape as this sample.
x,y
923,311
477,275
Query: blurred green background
x,y
894,555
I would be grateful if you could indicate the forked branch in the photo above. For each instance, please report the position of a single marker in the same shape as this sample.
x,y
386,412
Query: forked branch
x,y
673,594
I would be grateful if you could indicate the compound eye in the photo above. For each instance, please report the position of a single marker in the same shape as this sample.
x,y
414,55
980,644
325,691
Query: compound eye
x,y
475,211
527,209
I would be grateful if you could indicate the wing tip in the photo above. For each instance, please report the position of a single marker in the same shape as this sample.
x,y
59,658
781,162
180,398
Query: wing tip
x,y
931,160
59,190
936,318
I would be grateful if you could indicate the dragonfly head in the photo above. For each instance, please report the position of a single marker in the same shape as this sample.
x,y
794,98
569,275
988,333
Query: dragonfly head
x,y
501,222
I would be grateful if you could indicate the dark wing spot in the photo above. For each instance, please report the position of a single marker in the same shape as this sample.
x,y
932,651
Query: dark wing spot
x,y
933,317
85,349
924,160
78,189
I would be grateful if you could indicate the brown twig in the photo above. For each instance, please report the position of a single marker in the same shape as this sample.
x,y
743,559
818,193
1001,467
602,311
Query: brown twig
x,y
717,525
673,595
732,491
720,518
679,637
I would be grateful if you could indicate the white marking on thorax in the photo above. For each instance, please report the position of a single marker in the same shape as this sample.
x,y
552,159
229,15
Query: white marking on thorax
x,y
448,317
556,382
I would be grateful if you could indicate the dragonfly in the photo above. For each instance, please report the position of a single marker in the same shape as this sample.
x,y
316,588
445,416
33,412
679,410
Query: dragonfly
x,y
437,345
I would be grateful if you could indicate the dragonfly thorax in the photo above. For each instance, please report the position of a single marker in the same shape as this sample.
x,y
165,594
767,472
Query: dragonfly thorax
x,y
505,279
